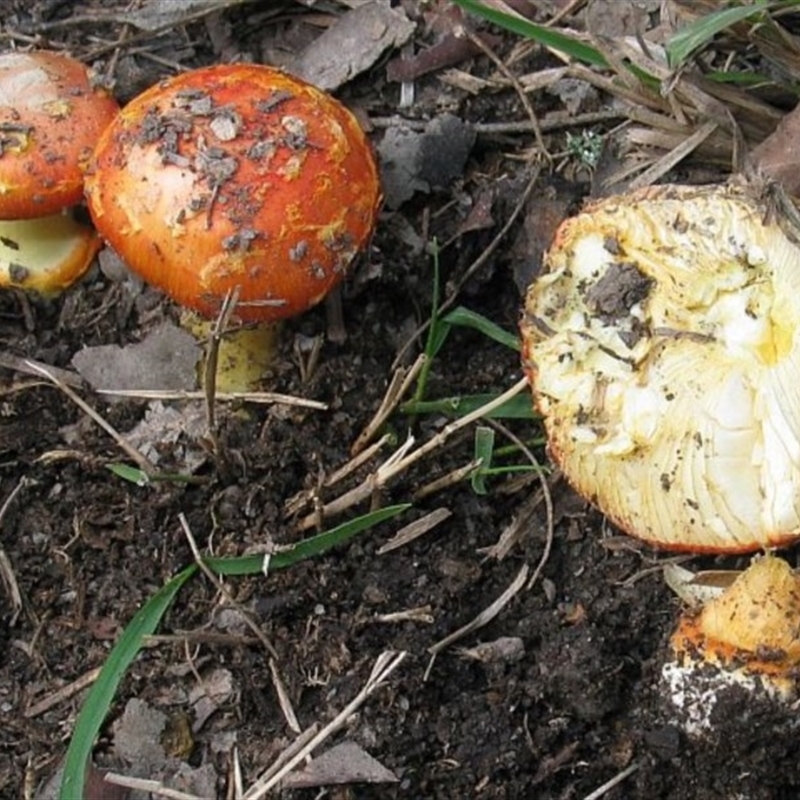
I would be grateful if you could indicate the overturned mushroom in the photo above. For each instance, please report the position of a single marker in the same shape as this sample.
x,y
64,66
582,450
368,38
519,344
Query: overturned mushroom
x,y
661,343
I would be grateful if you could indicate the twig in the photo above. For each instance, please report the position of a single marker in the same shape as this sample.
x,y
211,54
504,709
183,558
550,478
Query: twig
x,y
509,75
30,367
485,617
221,588
405,457
401,380
148,786
615,781
227,397
295,504
62,694
415,529
546,496
386,664
6,569
212,359
142,461
675,156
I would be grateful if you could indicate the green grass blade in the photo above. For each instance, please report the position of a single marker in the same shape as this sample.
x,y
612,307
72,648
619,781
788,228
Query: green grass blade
x,y
518,407
548,37
101,695
484,449
147,619
313,546
697,34
470,319
128,473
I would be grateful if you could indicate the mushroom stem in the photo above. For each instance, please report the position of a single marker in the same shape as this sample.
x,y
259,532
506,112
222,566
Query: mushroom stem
x,y
245,353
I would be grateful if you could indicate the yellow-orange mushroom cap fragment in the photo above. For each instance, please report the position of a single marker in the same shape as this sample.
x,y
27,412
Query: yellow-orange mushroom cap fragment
x,y
746,638
662,346
236,176
51,117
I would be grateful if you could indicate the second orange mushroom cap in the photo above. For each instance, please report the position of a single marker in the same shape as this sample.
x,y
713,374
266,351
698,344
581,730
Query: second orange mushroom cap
x,y
236,176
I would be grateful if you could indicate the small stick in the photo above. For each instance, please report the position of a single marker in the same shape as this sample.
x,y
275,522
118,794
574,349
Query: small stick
x,y
399,384
132,452
62,694
402,459
485,617
615,781
6,569
228,397
386,664
221,588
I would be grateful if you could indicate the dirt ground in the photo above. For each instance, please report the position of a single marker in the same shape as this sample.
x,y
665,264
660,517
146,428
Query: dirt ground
x,y
572,703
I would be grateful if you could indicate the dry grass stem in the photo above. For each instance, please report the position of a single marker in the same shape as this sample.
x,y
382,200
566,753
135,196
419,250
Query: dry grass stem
x,y
512,79
143,463
415,529
514,532
64,693
212,359
445,481
266,398
297,746
611,784
422,614
295,504
485,617
29,366
283,697
404,458
222,589
674,157
386,663
7,575
401,381
151,787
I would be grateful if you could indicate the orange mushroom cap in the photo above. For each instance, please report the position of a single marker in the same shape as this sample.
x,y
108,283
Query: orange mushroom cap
x,y
236,176
50,119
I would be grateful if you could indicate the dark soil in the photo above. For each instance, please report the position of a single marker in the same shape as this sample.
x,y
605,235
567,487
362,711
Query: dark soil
x,y
579,708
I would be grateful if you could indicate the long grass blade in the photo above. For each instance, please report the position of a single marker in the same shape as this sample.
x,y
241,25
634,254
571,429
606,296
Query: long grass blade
x,y
548,37
101,695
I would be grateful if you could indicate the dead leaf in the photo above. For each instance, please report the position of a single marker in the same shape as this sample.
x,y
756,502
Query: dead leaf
x,y
413,161
345,763
352,45
159,14
778,156
166,359
173,430
216,689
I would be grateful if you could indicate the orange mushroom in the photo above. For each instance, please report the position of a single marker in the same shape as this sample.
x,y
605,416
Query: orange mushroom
x,y
51,116
236,176
748,637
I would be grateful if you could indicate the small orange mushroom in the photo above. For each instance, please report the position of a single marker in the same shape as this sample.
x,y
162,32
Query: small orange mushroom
x,y
748,637
51,116
236,177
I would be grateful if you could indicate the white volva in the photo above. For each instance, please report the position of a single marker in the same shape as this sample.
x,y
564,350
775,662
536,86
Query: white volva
x,y
662,345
